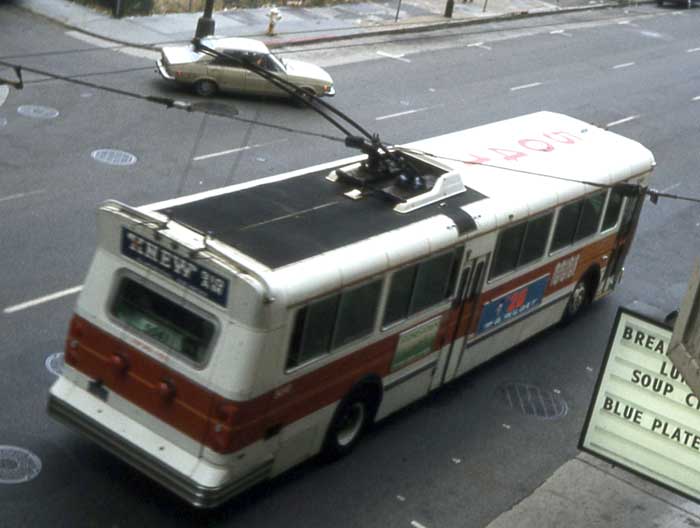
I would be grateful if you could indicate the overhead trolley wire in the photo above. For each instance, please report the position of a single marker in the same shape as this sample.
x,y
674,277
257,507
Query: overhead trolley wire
x,y
628,188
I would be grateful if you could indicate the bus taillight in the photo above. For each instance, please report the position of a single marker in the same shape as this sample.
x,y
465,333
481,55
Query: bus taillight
x,y
221,425
75,333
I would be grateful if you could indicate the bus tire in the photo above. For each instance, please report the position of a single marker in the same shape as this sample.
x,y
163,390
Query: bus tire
x,y
354,413
580,297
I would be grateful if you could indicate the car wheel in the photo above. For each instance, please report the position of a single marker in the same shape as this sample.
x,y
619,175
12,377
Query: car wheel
x,y
205,87
349,422
305,97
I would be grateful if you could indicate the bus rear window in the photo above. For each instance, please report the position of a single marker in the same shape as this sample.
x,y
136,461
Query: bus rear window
x,y
163,320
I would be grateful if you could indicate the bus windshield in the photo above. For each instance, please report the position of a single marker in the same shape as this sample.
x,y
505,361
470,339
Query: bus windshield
x,y
170,324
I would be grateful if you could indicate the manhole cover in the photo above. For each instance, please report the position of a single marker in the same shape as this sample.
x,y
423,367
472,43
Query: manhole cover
x,y
37,112
17,465
113,157
54,363
531,400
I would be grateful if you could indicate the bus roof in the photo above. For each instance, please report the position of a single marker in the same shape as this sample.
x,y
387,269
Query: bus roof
x,y
511,169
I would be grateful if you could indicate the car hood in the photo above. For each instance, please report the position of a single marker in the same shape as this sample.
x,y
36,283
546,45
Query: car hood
x,y
297,68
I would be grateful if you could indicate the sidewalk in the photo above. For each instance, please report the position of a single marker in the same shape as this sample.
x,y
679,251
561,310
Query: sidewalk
x,y
584,492
299,24
589,493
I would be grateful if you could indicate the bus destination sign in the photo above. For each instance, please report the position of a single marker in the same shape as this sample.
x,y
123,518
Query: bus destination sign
x,y
643,415
180,269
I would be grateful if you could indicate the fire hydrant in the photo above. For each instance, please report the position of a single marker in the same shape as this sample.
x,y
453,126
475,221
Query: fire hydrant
x,y
274,16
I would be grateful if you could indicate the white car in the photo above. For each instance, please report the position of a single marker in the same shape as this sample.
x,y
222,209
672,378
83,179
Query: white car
x,y
207,74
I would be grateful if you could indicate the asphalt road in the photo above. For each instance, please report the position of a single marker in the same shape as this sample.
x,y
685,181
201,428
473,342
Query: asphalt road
x,y
459,458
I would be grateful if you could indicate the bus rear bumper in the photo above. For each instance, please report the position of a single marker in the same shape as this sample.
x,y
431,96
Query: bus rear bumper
x,y
201,484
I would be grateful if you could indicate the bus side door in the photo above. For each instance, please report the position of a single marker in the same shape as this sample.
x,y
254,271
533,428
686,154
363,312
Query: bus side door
x,y
471,283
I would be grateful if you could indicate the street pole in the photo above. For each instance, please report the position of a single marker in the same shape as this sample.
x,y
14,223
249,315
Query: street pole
x,y
398,8
449,7
205,24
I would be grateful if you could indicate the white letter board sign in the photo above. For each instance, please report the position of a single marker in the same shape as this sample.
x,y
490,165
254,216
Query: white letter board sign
x,y
643,416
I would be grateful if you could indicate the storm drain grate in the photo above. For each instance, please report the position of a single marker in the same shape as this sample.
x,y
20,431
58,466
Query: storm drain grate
x,y
18,465
37,112
54,363
531,400
113,157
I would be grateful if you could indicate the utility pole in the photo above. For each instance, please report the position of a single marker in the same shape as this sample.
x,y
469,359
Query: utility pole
x,y
205,24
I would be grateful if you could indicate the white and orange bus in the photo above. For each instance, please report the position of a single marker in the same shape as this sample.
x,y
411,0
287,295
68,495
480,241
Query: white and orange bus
x,y
222,338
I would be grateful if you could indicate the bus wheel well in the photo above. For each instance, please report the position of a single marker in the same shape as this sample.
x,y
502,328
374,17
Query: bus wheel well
x,y
371,388
582,294
355,412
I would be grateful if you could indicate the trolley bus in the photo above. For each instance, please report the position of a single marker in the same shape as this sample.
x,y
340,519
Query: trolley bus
x,y
224,337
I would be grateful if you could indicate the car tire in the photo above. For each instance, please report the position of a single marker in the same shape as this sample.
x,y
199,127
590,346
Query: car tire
x,y
205,87
305,97
351,418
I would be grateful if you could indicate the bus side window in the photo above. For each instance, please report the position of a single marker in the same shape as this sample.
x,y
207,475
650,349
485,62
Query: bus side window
x,y
422,285
535,239
356,315
591,209
567,221
333,322
521,244
313,330
510,240
612,212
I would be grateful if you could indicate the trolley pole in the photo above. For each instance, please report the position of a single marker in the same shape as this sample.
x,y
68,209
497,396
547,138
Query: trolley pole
x,y
205,24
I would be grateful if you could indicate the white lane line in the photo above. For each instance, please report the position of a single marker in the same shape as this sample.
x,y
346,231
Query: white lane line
x,y
395,57
623,65
41,300
696,98
479,45
239,149
20,195
692,50
4,92
524,86
560,32
407,112
620,121
416,524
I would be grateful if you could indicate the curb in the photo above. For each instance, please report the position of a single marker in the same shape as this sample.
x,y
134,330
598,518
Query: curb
x,y
402,28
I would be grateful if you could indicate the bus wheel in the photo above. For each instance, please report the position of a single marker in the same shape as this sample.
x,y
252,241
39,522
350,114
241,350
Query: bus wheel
x,y
577,301
350,420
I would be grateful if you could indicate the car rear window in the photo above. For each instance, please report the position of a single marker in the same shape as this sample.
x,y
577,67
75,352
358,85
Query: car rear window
x,y
168,323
